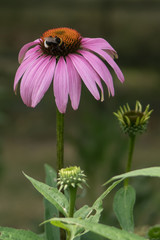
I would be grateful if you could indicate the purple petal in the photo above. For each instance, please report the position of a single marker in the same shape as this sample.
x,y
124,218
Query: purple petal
x,y
113,64
99,43
74,84
25,48
109,59
23,67
61,85
100,68
43,80
32,51
28,80
87,73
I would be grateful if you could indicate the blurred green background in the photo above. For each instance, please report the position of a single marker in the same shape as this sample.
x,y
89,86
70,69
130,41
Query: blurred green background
x,y
93,139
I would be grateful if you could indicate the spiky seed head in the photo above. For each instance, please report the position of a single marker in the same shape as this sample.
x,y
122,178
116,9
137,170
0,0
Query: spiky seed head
x,y
70,177
133,121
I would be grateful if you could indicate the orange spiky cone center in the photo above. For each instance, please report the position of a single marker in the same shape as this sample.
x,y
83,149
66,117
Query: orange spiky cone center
x,y
61,41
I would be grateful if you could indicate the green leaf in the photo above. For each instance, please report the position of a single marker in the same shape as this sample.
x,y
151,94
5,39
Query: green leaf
x,y
60,224
52,195
105,193
108,232
87,211
150,172
70,229
93,213
77,238
51,176
15,234
76,231
83,212
97,206
123,207
51,232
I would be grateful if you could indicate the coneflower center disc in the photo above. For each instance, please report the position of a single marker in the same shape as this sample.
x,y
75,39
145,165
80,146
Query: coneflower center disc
x,y
60,41
132,115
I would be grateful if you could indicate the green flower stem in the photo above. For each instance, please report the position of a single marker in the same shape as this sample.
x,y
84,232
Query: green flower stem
x,y
72,200
60,140
60,152
130,155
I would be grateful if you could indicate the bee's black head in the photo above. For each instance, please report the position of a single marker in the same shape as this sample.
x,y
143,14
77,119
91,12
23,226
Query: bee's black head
x,y
52,41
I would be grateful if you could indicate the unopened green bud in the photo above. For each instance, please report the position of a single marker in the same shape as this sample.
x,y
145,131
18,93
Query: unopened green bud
x,y
71,177
133,121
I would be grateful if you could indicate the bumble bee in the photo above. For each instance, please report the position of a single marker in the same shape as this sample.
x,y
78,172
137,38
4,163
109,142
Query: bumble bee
x,y
53,43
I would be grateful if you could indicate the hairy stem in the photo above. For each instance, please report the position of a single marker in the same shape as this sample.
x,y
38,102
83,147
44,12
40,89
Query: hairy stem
x,y
130,155
60,153
72,200
60,140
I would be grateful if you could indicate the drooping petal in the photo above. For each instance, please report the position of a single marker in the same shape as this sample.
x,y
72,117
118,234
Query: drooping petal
x,y
111,62
98,81
25,48
28,80
23,67
87,73
100,68
74,84
43,80
99,43
61,85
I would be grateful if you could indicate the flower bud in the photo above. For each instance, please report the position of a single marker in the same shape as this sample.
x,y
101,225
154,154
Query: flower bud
x,y
133,121
71,177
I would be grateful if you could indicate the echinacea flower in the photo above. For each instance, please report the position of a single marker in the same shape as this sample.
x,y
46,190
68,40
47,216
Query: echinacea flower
x,y
64,57
133,121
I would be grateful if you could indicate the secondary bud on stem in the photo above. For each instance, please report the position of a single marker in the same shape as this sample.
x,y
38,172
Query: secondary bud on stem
x,y
133,121
71,177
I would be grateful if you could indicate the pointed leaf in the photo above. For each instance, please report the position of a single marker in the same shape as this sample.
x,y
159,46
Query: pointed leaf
x,y
106,192
123,204
52,195
51,232
150,172
15,234
108,232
